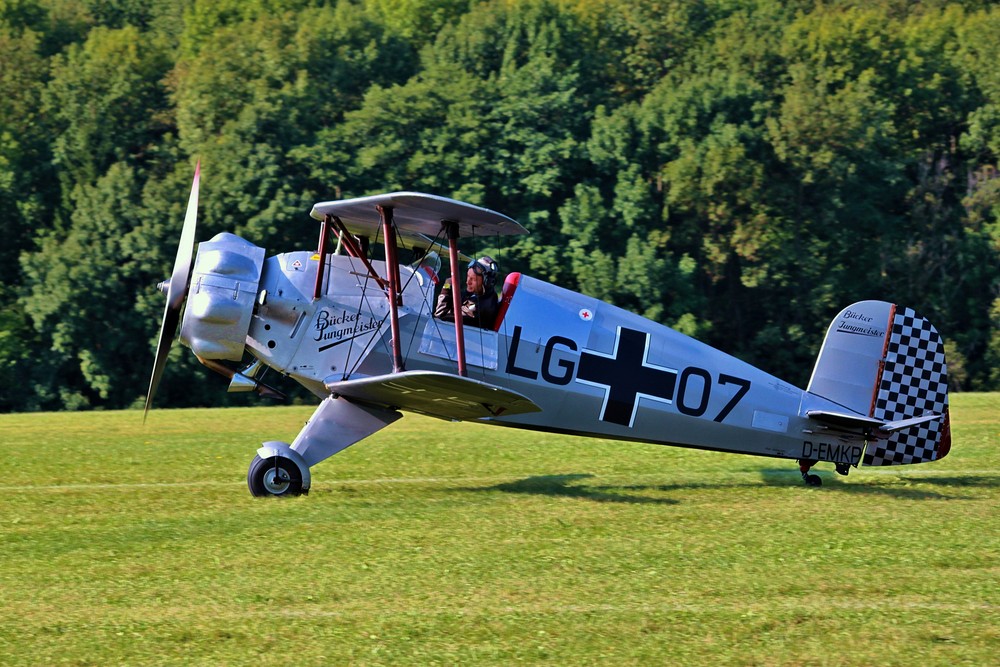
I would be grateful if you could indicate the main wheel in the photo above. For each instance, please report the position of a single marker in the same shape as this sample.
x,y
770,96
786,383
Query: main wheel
x,y
274,476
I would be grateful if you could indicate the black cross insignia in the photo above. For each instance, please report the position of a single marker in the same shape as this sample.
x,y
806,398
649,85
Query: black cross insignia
x,y
626,375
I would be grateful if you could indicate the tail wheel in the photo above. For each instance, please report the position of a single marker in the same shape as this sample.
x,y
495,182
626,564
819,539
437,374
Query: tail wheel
x,y
274,476
811,480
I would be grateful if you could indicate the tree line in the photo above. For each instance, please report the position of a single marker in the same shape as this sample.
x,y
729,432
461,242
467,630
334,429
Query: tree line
x,y
737,169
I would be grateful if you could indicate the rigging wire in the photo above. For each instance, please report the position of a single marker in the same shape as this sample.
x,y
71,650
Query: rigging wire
x,y
366,301
363,300
423,301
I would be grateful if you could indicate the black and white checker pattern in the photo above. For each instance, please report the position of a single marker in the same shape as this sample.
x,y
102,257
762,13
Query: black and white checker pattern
x,y
914,383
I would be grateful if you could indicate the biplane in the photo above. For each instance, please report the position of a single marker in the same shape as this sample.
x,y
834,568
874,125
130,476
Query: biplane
x,y
359,333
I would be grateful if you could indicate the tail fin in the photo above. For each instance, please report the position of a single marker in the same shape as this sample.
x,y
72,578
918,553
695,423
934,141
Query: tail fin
x,y
888,363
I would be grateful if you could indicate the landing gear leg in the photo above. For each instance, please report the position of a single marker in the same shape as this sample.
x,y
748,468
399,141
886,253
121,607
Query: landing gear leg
x,y
810,480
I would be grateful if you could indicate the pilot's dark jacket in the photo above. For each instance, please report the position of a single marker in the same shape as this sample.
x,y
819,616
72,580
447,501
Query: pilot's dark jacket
x,y
478,310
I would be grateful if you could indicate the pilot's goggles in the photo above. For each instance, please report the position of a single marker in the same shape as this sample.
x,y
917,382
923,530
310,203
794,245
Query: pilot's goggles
x,y
481,269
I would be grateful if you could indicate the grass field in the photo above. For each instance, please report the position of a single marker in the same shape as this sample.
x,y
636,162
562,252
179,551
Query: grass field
x,y
461,544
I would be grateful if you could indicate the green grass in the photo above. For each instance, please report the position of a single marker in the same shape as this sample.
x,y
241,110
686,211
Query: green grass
x,y
436,543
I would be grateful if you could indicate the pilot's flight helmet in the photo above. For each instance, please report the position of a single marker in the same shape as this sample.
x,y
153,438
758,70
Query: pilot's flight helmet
x,y
486,267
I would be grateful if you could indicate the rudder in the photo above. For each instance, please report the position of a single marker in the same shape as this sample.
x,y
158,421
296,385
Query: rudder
x,y
913,381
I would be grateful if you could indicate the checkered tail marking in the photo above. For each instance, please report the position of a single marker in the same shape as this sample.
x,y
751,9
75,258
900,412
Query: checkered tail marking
x,y
913,383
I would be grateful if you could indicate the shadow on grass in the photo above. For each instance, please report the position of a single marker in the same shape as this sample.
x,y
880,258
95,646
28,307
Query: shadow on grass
x,y
904,487
970,481
561,485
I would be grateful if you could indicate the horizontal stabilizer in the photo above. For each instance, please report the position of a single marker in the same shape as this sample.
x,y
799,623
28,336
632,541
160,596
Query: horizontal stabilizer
x,y
857,421
440,395
903,424
844,420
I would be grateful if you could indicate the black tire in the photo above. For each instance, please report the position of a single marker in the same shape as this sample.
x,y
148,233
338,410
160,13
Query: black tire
x,y
813,480
274,476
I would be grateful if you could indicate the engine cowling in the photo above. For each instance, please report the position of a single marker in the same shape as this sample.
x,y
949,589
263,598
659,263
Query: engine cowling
x,y
220,303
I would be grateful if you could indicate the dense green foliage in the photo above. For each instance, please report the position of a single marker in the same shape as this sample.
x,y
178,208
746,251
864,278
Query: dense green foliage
x,y
737,169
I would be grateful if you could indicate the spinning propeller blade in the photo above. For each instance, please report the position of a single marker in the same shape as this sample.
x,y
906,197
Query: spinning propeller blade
x,y
176,289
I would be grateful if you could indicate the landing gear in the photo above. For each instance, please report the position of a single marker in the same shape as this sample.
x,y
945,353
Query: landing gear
x,y
810,480
274,476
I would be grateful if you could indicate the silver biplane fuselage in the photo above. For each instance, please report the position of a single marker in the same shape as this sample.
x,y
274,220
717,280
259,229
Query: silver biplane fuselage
x,y
359,334
592,368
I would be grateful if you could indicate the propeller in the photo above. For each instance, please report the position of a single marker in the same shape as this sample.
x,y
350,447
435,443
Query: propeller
x,y
176,289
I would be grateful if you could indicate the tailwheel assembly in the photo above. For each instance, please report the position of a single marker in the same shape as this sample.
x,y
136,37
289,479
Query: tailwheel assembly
x,y
811,480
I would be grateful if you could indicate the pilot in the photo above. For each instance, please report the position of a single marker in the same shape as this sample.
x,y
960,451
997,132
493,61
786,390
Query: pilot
x,y
479,298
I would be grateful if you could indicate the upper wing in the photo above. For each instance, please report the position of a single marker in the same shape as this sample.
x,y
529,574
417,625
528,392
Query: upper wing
x,y
417,215
436,394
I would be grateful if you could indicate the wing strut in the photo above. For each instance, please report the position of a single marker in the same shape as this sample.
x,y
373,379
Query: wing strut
x,y
392,273
324,240
456,293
